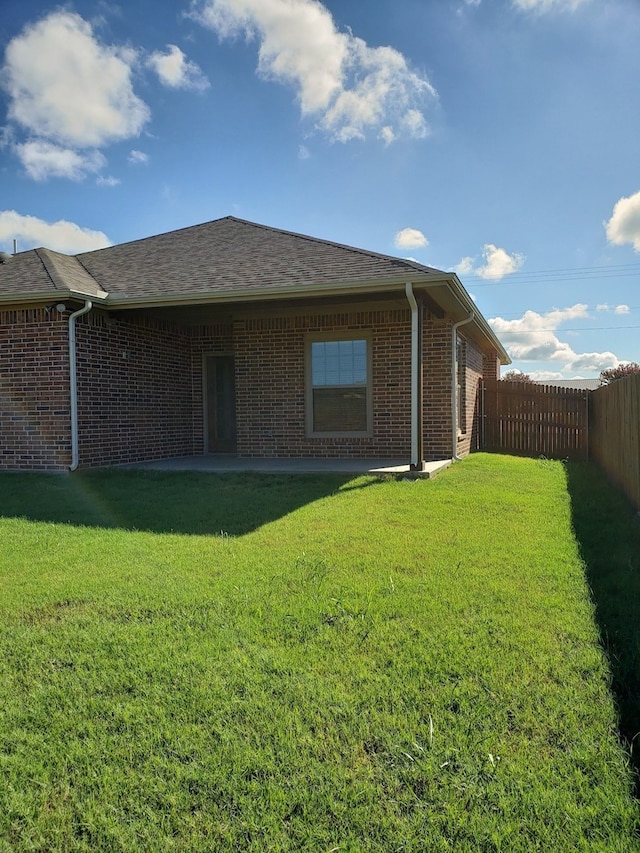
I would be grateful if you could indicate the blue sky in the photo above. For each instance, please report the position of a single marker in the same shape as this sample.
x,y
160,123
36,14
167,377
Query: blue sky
x,y
497,138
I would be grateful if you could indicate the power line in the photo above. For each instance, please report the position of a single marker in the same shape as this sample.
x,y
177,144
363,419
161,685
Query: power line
x,y
546,311
538,277
564,331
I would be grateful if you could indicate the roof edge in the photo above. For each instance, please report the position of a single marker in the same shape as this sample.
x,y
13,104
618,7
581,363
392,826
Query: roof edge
x,y
461,294
270,293
481,322
339,288
50,296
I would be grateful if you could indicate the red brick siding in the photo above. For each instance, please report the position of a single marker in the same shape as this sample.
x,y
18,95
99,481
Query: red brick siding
x,y
35,431
437,388
140,386
270,384
468,441
134,390
491,365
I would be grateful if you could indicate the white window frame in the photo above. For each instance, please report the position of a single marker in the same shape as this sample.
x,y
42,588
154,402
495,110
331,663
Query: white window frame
x,y
461,384
326,337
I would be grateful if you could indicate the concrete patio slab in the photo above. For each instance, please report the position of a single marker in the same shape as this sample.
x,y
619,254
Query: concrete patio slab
x,y
281,465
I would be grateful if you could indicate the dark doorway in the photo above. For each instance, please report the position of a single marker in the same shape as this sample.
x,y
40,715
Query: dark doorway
x,y
220,404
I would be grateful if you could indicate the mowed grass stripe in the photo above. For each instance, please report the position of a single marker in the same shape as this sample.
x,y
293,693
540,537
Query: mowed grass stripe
x,y
202,663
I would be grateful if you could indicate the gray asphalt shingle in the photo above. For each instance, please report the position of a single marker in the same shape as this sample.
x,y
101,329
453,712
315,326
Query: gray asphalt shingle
x,y
231,254
217,257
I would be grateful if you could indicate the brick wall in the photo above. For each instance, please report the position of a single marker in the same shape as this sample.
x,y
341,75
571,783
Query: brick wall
x,y
135,394
35,431
270,384
491,365
468,441
437,388
141,386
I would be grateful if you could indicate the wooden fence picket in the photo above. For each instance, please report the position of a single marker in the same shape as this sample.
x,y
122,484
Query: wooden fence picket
x,y
529,419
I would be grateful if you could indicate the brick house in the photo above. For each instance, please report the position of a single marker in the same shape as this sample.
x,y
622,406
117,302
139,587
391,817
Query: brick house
x,y
232,337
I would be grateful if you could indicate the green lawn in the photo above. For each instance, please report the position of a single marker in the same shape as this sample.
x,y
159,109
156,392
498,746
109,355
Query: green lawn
x,y
271,663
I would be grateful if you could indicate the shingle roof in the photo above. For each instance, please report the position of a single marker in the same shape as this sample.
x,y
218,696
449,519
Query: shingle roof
x,y
217,257
25,274
41,271
229,259
232,254
66,272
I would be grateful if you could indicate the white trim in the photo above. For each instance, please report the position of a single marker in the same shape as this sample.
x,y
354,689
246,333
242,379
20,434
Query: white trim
x,y
454,385
343,335
415,367
73,385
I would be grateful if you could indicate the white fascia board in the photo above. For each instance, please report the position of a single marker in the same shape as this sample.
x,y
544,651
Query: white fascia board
x,y
38,296
102,295
340,288
459,291
41,296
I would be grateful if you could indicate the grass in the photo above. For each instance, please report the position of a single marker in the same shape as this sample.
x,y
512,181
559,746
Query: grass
x,y
192,662
609,539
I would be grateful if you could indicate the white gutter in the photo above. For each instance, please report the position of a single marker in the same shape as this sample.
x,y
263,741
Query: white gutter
x,y
73,388
417,463
457,289
263,293
454,390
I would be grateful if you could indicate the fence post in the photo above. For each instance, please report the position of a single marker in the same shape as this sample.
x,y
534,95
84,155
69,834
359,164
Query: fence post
x,y
587,393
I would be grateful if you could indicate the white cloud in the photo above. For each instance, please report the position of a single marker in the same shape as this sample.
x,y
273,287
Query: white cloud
x,y
109,181
303,153
541,375
66,86
349,87
137,158
176,71
70,93
387,135
548,5
460,11
43,160
602,307
532,338
497,263
593,362
410,238
465,266
415,124
624,225
621,309
61,236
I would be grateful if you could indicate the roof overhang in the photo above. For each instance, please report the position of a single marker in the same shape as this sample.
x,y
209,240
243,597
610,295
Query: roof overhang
x,y
452,296
51,297
445,289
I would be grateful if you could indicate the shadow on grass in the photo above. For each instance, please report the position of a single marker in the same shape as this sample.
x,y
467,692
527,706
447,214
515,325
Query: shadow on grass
x,y
608,532
187,503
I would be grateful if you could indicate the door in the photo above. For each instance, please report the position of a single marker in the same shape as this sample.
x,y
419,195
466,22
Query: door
x,y
220,404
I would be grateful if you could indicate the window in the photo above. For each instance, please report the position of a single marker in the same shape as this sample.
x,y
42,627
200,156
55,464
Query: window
x,y
338,386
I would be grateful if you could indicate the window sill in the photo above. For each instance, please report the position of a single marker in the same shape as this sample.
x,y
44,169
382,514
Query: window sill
x,y
339,435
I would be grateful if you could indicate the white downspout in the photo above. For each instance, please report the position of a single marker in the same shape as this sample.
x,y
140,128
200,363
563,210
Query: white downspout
x,y
454,389
417,463
73,388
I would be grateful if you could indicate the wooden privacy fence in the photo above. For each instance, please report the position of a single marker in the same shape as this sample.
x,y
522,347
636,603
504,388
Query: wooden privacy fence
x,y
528,419
615,433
